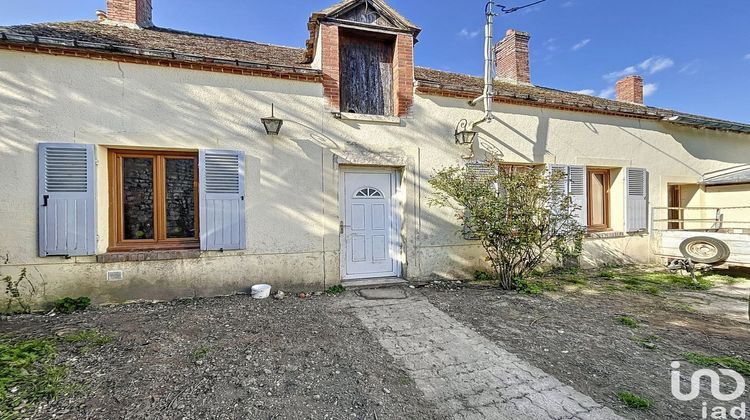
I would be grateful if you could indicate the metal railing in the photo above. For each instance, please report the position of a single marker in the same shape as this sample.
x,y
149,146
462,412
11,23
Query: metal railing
x,y
734,219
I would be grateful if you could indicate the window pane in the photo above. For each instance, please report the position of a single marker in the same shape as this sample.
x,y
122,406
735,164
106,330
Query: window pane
x,y
597,199
180,196
138,198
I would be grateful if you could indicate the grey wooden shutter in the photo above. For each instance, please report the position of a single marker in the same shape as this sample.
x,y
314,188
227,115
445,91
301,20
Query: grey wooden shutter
x,y
67,208
222,199
577,190
636,190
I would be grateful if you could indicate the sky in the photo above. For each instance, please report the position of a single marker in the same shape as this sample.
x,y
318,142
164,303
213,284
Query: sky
x,y
693,54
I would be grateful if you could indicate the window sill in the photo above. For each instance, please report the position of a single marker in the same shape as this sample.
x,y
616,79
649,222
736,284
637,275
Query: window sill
x,y
606,234
115,257
379,119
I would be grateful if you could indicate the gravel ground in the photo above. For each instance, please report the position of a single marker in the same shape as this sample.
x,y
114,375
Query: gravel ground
x,y
230,357
573,335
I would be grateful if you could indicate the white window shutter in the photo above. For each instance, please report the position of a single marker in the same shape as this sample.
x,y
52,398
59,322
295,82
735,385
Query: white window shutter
x,y
636,190
67,208
577,189
222,199
562,184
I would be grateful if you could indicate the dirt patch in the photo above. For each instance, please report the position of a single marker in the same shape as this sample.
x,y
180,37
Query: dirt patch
x,y
578,336
231,357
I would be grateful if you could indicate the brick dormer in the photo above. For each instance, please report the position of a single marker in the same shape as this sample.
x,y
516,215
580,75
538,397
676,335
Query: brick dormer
x,y
365,50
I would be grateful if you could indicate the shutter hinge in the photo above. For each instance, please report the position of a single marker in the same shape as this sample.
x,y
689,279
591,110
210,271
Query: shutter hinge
x,y
242,198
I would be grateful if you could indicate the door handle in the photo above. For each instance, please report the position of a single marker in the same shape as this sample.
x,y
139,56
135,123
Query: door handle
x,y
45,199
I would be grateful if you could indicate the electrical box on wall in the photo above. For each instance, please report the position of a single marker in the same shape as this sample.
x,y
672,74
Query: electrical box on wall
x,y
115,276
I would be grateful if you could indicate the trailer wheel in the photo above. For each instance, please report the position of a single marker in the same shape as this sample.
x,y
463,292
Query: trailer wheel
x,y
705,250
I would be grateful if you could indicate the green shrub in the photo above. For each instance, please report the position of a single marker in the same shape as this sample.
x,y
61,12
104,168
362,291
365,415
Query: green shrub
x,y
482,276
335,290
69,305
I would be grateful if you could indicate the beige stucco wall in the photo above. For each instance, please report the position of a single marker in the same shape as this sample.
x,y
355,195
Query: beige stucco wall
x,y
292,180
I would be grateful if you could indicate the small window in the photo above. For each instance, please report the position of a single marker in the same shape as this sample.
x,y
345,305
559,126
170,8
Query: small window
x,y
153,200
368,193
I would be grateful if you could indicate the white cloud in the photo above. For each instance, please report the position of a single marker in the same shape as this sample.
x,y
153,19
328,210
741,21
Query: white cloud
x,y
465,33
607,93
589,92
650,65
656,64
690,68
747,56
627,71
568,4
581,44
649,89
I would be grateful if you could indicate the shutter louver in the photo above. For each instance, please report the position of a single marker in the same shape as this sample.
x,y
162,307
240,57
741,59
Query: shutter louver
x,y
222,209
67,218
577,192
561,184
636,210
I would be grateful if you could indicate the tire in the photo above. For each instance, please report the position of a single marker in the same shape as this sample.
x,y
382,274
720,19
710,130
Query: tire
x,y
705,250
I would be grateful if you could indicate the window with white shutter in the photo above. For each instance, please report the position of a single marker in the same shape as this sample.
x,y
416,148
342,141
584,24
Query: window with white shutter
x,y
222,198
573,184
577,186
67,211
636,211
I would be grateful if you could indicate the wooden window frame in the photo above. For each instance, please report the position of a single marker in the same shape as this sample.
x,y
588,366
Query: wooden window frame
x,y
674,199
117,242
607,187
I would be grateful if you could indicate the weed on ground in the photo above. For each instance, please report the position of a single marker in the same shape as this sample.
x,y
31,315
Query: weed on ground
x,y
737,364
28,375
627,321
87,340
634,401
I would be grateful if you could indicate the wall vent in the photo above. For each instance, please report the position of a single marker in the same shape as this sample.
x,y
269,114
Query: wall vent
x,y
115,276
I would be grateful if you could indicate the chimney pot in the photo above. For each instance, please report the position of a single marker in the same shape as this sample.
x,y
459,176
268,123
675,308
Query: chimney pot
x,y
512,57
630,89
135,13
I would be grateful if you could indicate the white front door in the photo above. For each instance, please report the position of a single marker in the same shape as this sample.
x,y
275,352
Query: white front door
x,y
369,224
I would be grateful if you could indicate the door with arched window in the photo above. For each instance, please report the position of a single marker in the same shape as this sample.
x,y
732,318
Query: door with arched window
x,y
369,226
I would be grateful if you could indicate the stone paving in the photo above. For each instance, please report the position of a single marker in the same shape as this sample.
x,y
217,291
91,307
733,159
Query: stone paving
x,y
465,374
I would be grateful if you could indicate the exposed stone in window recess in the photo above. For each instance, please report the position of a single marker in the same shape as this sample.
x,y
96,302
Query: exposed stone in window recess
x,y
180,197
138,198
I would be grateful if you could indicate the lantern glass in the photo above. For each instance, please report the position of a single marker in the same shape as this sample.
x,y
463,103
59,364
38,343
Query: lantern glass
x,y
272,125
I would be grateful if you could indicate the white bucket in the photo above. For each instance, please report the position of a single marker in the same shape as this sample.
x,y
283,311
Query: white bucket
x,y
260,291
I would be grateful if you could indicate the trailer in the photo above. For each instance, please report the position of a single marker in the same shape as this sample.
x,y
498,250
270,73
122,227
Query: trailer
x,y
703,235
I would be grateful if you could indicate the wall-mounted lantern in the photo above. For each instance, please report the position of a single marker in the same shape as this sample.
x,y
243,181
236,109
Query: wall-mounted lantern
x,y
272,124
463,134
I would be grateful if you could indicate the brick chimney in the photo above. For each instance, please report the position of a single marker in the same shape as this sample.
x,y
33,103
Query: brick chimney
x,y
512,57
630,89
133,13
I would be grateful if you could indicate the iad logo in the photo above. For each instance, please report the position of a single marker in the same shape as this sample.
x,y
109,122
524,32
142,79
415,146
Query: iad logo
x,y
718,412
